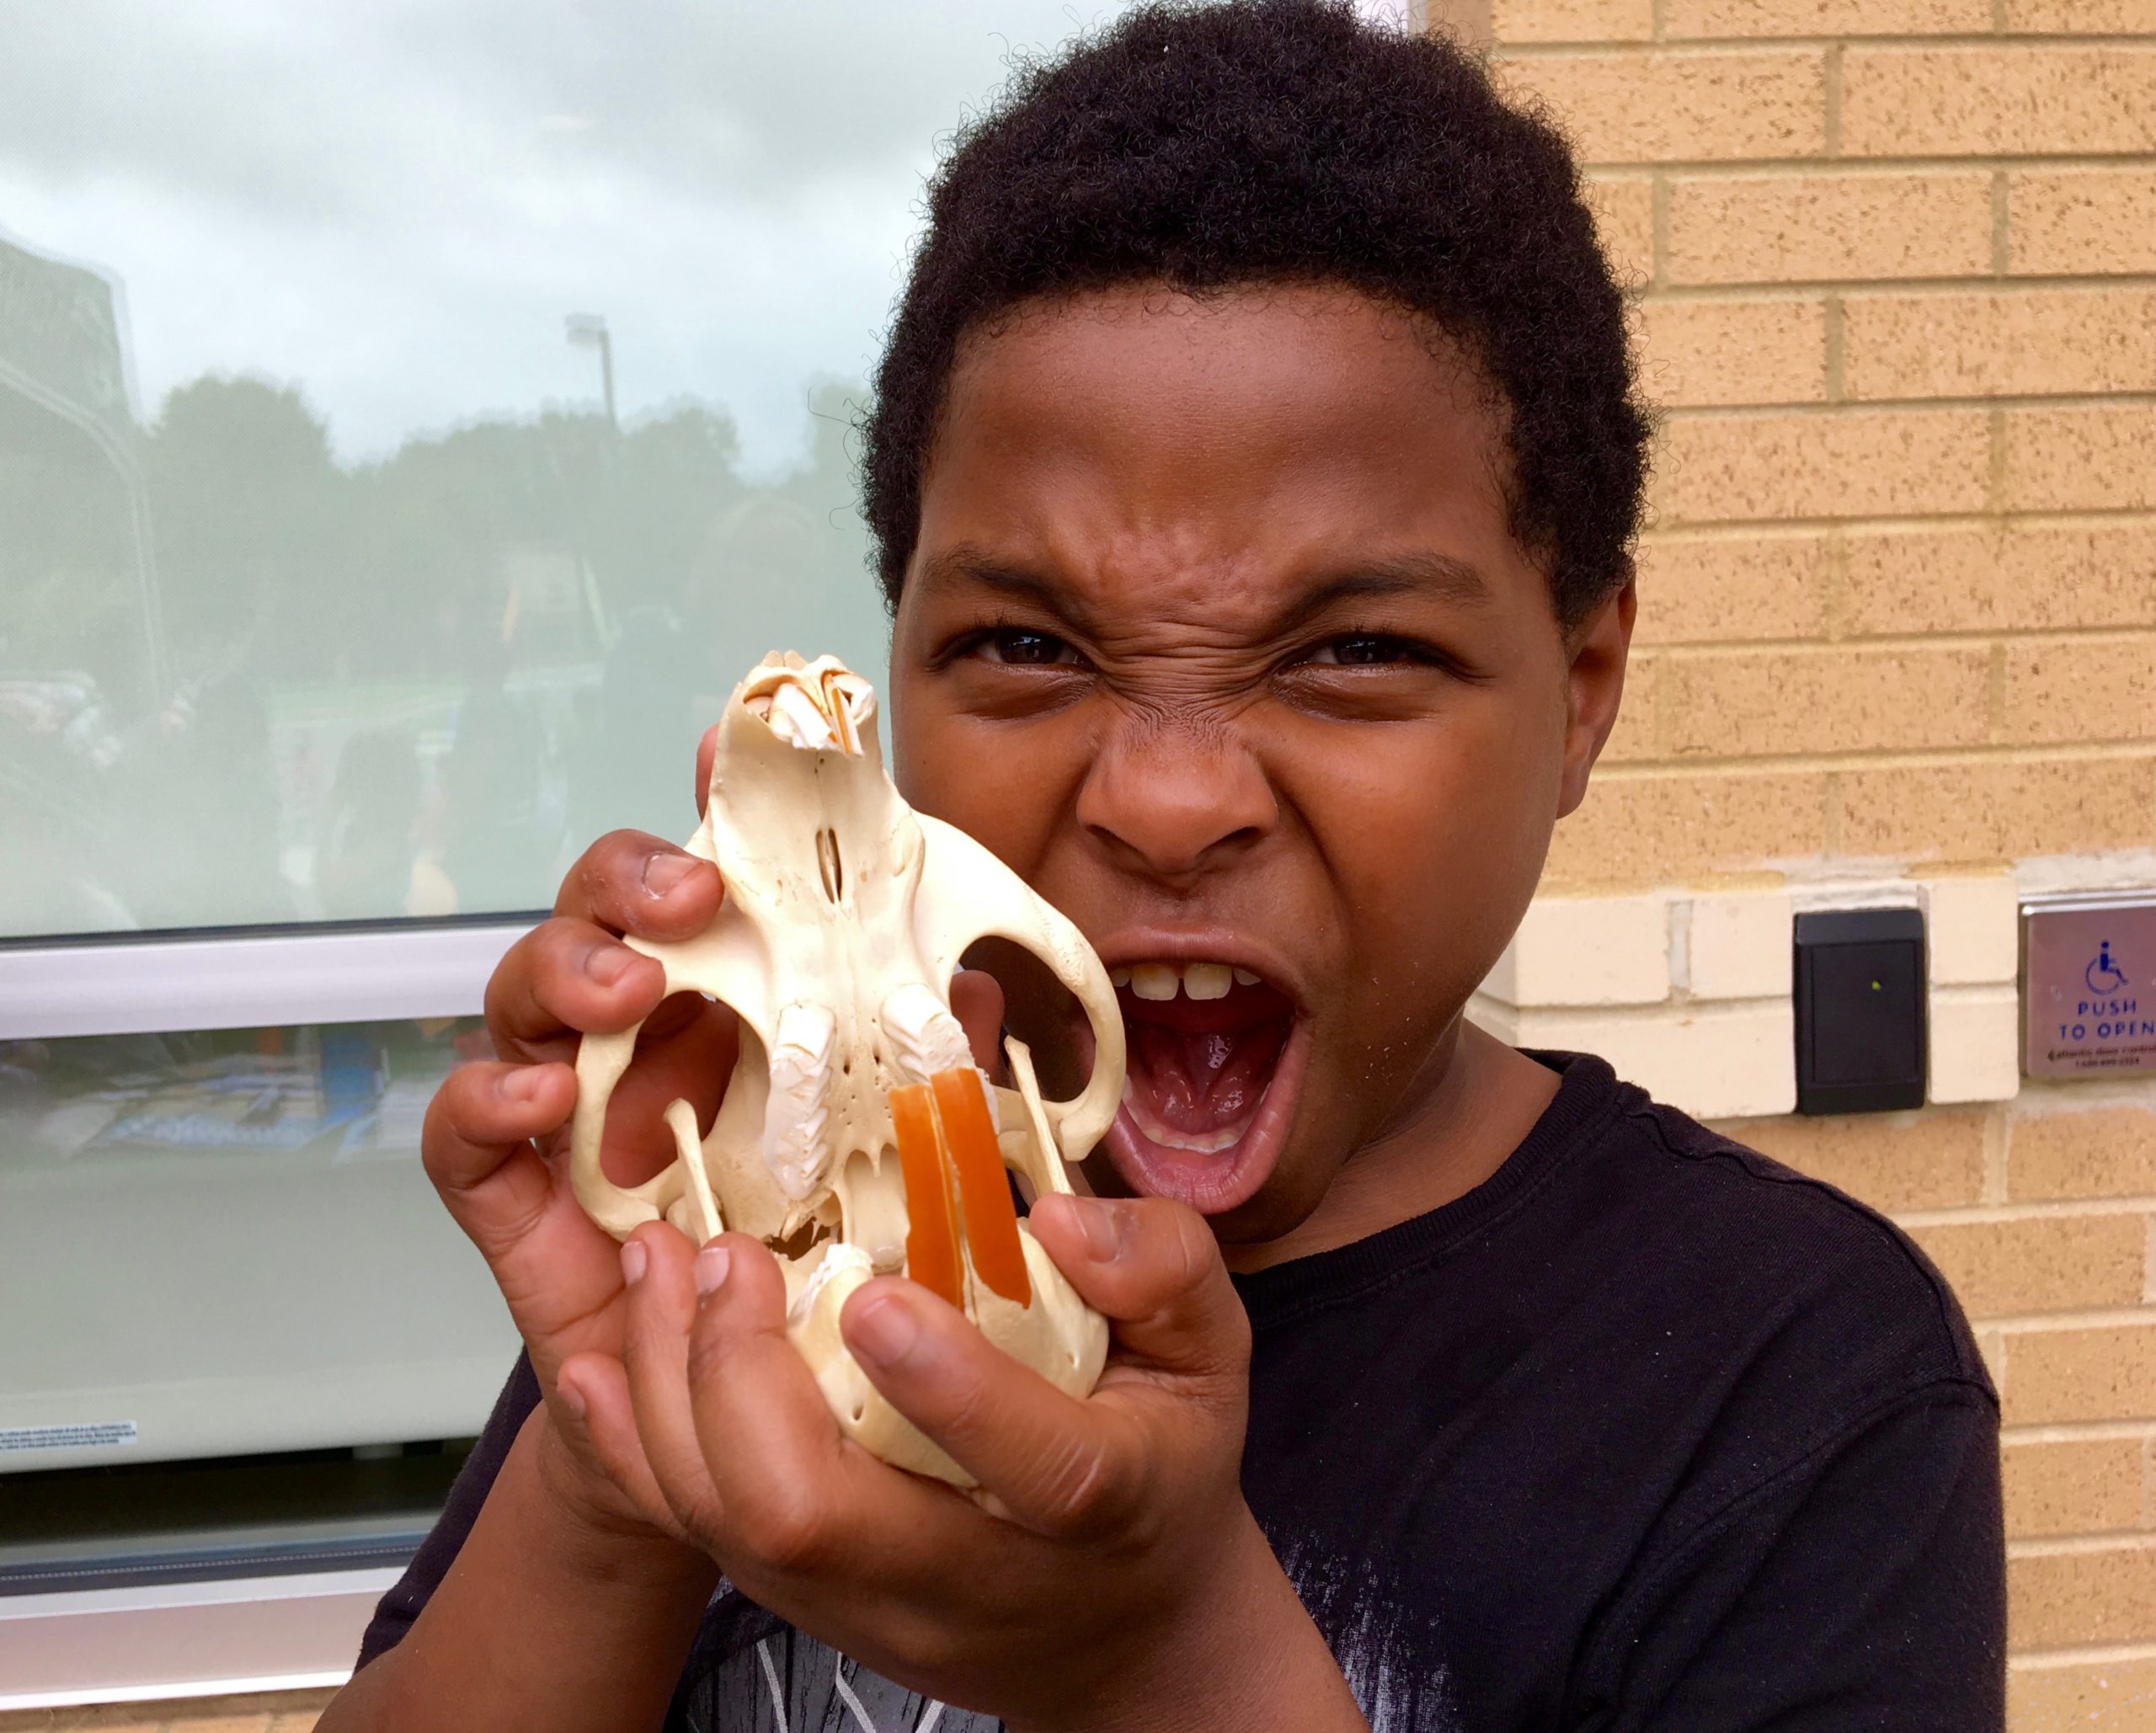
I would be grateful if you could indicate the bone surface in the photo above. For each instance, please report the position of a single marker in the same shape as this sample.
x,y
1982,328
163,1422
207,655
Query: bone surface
x,y
844,916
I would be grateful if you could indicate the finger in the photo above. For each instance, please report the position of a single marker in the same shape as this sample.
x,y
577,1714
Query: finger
x,y
565,979
634,883
662,1305
785,1481
555,1268
595,1412
1060,1466
1152,1268
977,1002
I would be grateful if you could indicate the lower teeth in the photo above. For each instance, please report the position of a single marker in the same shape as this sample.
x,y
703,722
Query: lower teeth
x,y
1208,1144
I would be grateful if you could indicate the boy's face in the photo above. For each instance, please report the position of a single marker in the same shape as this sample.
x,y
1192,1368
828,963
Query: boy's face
x,y
1216,632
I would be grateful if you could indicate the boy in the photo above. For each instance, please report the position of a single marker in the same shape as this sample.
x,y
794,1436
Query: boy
x,y
1253,467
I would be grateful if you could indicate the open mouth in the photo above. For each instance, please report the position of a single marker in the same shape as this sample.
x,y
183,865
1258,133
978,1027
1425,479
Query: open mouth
x,y
1215,1058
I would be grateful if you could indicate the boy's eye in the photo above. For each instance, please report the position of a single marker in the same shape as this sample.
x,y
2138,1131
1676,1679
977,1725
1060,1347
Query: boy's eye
x,y
1018,648
1367,649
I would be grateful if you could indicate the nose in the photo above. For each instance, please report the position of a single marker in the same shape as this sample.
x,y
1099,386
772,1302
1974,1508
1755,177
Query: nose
x,y
1176,797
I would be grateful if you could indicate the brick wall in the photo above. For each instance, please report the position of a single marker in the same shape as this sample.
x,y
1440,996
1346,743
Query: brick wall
x,y
1896,274
269,1711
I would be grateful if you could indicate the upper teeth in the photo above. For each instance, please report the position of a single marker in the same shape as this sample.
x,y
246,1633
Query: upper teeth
x,y
1196,980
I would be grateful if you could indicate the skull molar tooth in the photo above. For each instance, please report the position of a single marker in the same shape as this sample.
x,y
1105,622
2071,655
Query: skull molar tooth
x,y
796,1111
925,1037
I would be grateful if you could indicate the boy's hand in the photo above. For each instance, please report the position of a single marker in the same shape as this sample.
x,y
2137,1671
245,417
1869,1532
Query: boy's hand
x,y
495,1138
1106,1573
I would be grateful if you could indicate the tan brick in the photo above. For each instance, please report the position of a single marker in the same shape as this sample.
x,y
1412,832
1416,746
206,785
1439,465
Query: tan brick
x,y
1660,826
1710,1060
2043,1264
1636,737
2013,342
1623,221
1629,107
1718,587
1992,810
1930,1160
106,1717
2074,1486
1726,19
2008,100
2029,577
2107,1371
2082,1696
2092,459
1865,462
2080,689
2098,1152
1831,700
2124,17
1697,352
1766,228
2107,1595
2082,221
1571,20
1586,951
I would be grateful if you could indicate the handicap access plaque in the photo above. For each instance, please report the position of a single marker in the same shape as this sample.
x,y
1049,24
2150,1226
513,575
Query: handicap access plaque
x,y
2088,984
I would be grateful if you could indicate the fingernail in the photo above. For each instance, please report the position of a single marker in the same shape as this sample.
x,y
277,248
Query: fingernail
x,y
607,963
572,1398
633,1259
713,1265
1100,1224
663,872
520,1085
885,1329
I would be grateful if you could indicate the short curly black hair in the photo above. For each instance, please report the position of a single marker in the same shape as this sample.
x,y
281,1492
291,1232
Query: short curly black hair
x,y
1279,141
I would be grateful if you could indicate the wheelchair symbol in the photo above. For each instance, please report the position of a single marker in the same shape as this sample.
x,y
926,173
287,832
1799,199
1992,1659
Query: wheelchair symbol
x,y
2102,974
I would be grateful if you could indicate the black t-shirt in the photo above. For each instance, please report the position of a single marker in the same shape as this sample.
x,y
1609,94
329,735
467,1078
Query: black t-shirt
x,y
1647,1430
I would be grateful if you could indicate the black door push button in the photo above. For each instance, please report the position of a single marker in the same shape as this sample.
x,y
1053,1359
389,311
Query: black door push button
x,y
1859,977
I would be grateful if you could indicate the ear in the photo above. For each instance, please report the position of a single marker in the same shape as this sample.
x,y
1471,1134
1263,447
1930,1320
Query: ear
x,y
1594,683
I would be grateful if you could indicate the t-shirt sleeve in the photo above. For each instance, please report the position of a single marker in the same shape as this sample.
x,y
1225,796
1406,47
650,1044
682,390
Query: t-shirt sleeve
x,y
1861,1588
401,1605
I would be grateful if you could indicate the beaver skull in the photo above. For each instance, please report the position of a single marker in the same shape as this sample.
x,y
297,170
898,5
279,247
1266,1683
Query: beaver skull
x,y
845,916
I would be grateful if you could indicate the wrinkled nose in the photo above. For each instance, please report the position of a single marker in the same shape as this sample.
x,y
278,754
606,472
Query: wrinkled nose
x,y
1176,798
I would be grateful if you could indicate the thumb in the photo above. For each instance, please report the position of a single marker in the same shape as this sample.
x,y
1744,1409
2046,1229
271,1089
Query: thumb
x,y
1150,1266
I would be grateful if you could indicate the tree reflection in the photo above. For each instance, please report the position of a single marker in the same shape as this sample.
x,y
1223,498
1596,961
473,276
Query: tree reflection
x,y
415,685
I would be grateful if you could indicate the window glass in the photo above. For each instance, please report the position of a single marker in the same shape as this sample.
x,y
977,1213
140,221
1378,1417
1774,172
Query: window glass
x,y
414,417
219,1242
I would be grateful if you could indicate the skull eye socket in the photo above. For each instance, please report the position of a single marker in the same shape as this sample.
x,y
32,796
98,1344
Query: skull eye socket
x,y
1042,1012
684,1051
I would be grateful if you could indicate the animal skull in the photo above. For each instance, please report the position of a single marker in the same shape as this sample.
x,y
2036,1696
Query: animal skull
x,y
845,916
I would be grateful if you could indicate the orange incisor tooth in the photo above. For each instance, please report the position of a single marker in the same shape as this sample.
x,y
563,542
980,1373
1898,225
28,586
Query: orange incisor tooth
x,y
984,1186
931,1225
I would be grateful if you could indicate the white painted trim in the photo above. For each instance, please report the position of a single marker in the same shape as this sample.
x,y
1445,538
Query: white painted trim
x,y
215,1639
131,986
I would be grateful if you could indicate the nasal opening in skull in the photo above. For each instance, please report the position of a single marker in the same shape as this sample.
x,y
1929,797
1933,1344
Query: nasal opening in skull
x,y
1042,1012
684,1052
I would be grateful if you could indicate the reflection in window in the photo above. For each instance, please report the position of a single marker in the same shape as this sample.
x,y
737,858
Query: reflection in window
x,y
454,402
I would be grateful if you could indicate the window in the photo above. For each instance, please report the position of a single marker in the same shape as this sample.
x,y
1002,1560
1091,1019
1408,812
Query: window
x,y
413,418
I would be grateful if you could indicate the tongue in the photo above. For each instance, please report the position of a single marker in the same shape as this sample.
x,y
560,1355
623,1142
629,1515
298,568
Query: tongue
x,y
1203,1081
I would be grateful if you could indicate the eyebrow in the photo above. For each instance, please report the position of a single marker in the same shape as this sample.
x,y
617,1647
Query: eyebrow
x,y
1421,574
